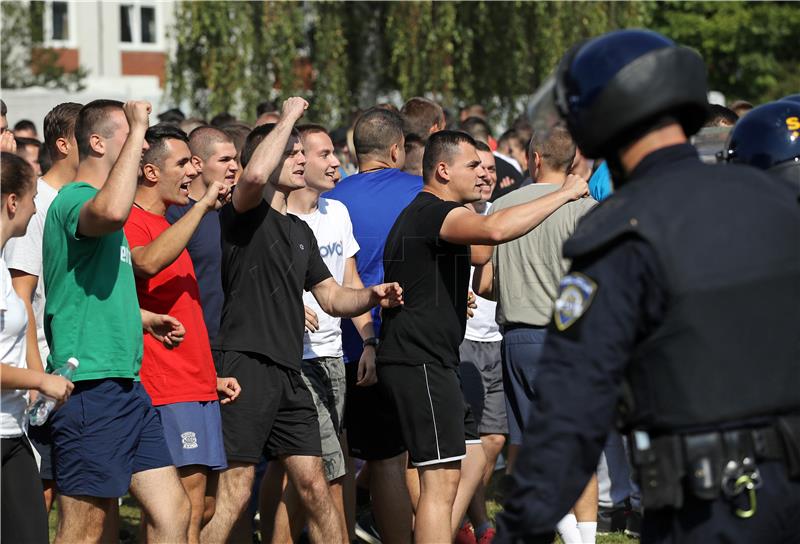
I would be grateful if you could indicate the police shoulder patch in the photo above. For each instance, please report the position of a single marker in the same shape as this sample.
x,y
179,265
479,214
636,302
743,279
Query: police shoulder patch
x,y
575,294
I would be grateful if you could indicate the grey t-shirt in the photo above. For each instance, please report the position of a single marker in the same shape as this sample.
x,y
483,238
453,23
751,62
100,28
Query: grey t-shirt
x,y
25,254
527,270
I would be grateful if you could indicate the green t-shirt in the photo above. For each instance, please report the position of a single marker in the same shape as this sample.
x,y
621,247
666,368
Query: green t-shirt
x,y
91,310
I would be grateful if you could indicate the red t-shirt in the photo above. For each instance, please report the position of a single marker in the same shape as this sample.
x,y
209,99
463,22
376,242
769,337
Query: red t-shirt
x,y
185,373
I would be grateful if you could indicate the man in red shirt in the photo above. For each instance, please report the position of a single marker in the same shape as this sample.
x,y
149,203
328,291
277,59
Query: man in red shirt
x,y
181,381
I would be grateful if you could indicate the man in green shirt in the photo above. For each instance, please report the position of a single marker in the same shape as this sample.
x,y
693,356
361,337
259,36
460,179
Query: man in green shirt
x,y
107,438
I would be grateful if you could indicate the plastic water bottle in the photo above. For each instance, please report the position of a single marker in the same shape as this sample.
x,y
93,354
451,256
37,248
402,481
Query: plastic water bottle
x,y
40,410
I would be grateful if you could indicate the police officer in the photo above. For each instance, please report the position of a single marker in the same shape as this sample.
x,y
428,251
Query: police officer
x,y
681,311
768,137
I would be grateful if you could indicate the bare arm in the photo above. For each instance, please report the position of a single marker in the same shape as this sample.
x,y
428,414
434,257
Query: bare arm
x,y
51,385
462,226
363,322
339,301
108,210
481,254
253,184
151,259
483,281
25,285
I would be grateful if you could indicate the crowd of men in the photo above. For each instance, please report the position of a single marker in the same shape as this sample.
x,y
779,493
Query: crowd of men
x,y
199,272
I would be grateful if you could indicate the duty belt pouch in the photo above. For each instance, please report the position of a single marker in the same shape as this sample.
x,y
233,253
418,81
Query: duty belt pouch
x,y
704,462
659,469
789,429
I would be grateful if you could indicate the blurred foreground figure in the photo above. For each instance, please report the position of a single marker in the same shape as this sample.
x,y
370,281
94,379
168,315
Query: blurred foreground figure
x,y
678,318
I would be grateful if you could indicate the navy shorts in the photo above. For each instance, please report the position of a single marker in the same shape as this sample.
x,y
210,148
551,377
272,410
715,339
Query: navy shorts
x,y
522,351
107,431
193,431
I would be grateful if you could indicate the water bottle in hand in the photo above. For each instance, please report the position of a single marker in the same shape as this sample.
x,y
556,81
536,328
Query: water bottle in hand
x,y
40,410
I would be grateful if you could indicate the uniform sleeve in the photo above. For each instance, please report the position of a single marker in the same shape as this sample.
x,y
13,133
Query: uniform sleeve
x,y
578,384
317,270
136,231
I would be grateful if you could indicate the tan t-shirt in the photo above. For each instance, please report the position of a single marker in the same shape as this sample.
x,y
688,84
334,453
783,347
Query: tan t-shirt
x,y
527,270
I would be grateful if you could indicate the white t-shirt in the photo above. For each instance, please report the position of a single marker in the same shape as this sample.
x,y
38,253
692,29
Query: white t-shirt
x,y
334,231
13,322
482,327
25,254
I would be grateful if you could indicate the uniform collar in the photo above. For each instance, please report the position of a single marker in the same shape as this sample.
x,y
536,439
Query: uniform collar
x,y
663,158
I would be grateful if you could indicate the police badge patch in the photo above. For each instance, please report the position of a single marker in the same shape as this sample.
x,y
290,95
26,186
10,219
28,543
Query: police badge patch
x,y
575,294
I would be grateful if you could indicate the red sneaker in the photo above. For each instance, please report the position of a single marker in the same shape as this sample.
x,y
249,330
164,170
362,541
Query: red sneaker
x,y
465,535
488,536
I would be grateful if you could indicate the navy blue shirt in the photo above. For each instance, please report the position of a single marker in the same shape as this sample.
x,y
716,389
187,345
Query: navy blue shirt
x,y
374,200
205,250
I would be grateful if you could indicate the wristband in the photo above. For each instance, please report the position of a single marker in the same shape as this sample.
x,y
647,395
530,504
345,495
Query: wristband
x,y
371,341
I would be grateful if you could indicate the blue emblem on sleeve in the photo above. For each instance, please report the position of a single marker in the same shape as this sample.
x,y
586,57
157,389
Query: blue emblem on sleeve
x,y
575,294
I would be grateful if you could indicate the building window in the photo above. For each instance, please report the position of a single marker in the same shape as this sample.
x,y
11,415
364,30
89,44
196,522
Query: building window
x,y
53,22
138,24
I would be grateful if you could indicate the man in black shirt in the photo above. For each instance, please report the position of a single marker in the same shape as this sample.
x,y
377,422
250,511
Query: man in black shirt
x,y
428,253
268,258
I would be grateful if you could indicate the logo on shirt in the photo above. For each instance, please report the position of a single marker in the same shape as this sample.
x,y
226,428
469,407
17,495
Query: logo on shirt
x,y
334,248
189,440
575,294
125,255
302,247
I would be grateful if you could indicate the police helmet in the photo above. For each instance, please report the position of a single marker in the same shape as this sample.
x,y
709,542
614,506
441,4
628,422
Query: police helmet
x,y
612,88
768,137
792,98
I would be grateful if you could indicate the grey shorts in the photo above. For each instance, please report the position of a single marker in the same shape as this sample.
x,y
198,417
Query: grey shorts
x,y
325,378
482,381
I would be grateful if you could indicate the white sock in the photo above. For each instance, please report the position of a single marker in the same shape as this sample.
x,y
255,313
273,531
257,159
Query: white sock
x,y
568,529
588,531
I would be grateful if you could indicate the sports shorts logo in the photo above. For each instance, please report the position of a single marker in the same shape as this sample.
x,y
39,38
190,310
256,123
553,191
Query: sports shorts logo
x,y
575,294
189,440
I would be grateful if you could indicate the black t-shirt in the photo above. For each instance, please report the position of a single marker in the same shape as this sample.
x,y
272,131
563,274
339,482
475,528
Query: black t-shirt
x,y
268,259
434,275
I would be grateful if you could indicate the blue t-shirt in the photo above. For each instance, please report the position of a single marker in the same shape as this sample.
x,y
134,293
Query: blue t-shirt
x,y
374,200
205,249
600,183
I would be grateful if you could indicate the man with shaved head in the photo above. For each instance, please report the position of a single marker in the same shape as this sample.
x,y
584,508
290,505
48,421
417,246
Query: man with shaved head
x,y
421,118
214,159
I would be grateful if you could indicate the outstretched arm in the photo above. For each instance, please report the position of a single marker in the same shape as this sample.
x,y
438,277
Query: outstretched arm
x,y
341,301
108,210
463,226
251,187
366,374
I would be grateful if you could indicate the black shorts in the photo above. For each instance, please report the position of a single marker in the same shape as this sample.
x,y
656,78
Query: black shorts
x,y
275,413
42,441
431,409
370,419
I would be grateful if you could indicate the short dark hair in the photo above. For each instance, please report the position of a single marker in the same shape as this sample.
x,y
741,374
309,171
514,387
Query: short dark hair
x,y
27,142
376,130
45,161
557,151
3,108
720,116
25,124
222,119
172,115
311,128
256,137
203,138
16,175
413,141
157,137
420,114
60,123
477,128
238,133
267,106
94,119
441,147
482,146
